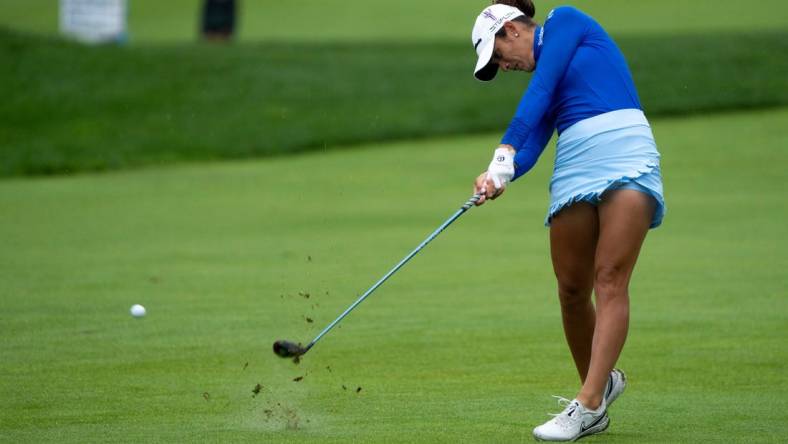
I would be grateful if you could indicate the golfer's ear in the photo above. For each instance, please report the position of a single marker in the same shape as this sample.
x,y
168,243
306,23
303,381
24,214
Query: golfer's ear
x,y
511,30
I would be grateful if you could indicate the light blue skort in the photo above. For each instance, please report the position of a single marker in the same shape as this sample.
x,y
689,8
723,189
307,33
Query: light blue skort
x,y
605,152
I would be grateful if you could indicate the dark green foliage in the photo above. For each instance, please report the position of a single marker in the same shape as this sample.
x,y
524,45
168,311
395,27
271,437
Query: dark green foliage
x,y
68,108
688,74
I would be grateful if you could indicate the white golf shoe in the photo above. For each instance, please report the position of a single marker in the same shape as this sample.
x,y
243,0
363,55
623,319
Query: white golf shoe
x,y
573,423
616,383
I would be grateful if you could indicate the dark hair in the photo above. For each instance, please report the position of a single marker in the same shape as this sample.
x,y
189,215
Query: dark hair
x,y
526,6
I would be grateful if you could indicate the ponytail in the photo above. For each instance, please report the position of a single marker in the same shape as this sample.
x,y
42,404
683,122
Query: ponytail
x,y
527,6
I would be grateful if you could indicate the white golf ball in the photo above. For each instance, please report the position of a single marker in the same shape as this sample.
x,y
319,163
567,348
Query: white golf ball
x,y
137,310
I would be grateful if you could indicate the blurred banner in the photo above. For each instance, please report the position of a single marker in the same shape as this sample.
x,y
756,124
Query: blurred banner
x,y
94,21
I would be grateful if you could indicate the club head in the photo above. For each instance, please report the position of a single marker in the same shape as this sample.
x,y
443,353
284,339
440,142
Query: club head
x,y
287,349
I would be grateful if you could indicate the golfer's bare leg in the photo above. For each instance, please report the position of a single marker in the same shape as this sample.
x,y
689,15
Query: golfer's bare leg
x,y
624,219
573,240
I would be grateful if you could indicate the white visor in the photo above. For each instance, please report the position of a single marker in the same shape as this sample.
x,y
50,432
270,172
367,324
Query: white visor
x,y
489,22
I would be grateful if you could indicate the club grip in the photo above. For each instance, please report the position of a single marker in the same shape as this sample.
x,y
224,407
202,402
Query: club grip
x,y
472,201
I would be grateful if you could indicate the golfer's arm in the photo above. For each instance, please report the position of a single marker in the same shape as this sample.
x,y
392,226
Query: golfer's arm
x,y
526,158
563,33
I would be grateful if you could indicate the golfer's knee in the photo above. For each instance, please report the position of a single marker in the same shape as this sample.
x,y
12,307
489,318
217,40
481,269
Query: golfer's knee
x,y
574,296
611,280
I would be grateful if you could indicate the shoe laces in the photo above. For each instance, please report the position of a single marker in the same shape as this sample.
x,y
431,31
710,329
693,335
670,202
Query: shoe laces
x,y
563,402
567,417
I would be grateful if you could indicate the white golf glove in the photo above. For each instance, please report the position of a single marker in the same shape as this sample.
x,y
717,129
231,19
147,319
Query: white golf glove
x,y
501,169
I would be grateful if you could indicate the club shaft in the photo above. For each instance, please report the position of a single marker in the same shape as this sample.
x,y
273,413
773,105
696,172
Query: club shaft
x,y
429,238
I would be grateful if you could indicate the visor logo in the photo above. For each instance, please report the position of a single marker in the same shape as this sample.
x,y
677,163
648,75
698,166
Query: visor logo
x,y
497,22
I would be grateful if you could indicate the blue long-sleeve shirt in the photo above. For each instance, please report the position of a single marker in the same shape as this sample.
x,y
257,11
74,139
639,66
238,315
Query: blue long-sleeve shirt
x,y
580,73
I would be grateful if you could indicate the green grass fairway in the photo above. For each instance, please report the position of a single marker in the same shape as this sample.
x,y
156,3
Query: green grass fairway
x,y
405,20
463,345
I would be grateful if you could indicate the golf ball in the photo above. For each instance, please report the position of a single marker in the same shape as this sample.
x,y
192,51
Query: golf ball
x,y
137,310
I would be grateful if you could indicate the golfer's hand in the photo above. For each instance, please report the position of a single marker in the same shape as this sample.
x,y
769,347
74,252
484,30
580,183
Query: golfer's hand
x,y
492,183
485,187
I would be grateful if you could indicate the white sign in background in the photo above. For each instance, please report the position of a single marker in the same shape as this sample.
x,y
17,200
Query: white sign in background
x,y
94,21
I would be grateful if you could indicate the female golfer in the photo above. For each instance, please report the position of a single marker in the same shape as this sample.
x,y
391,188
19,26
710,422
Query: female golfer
x,y
606,189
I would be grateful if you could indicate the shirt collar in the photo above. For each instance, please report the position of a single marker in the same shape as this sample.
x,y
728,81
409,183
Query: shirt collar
x,y
538,42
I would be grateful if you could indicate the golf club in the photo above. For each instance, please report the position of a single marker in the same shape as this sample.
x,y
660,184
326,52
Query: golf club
x,y
290,349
